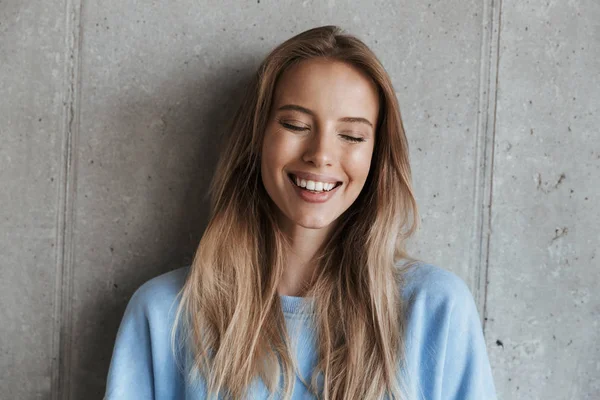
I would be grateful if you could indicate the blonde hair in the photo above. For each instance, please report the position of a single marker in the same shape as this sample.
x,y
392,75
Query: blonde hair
x,y
230,311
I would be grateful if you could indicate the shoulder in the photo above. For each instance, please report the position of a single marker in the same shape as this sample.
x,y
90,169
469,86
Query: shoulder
x,y
437,302
435,286
143,364
446,354
159,293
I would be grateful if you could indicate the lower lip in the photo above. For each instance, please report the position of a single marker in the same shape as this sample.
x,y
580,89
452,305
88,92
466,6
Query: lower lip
x,y
314,197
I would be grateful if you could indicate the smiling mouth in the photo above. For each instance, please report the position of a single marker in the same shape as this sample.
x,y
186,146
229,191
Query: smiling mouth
x,y
293,180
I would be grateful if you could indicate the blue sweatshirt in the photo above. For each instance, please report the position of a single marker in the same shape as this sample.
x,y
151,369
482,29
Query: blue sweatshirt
x,y
446,355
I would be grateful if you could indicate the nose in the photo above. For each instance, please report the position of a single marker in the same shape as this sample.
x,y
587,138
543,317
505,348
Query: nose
x,y
320,150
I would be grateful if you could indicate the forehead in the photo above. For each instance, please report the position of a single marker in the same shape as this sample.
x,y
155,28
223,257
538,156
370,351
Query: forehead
x,y
328,87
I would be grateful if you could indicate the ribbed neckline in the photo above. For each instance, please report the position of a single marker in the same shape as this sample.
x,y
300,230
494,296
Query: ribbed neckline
x,y
297,305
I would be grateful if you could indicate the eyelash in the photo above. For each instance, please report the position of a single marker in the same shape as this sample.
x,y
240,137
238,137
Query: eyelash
x,y
300,129
354,139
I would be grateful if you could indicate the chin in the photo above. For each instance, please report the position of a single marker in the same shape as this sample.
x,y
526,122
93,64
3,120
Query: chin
x,y
314,226
313,223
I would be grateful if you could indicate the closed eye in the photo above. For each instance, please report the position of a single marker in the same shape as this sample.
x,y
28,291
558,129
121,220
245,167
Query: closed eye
x,y
297,128
353,139
293,127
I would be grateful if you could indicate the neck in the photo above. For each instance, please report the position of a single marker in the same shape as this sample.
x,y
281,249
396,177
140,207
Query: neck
x,y
300,265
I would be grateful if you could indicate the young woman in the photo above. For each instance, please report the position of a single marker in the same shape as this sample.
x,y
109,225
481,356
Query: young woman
x,y
301,287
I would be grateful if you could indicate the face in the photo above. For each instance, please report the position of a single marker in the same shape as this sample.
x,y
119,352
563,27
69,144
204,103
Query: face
x,y
320,135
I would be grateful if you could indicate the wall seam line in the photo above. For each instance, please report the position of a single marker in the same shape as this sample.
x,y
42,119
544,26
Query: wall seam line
x,y
485,139
492,147
62,330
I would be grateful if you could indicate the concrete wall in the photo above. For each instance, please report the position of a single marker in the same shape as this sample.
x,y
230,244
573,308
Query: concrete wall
x,y
109,117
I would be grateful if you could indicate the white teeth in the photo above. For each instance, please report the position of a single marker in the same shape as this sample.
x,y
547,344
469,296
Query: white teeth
x,y
314,186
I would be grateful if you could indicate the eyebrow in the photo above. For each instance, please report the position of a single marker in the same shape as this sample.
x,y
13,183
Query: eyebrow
x,y
295,107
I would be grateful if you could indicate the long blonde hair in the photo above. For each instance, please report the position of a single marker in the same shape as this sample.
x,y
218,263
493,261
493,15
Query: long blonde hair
x,y
230,311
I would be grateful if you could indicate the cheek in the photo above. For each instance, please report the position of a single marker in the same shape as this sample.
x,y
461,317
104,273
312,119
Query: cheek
x,y
269,150
358,163
277,150
274,154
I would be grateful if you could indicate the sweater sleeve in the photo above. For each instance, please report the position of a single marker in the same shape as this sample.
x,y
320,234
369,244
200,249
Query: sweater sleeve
x,y
143,365
131,372
467,373
446,357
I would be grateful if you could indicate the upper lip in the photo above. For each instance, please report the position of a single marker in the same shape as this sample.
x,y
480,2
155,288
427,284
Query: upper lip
x,y
315,177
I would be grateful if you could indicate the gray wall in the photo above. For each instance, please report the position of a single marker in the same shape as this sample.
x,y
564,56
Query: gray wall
x,y
110,113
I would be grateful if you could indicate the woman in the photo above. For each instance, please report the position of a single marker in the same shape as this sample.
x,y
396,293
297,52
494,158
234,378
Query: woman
x,y
301,286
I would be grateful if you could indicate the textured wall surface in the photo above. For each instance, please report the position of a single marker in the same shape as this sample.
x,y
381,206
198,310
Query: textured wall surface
x,y
544,275
111,112
33,87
